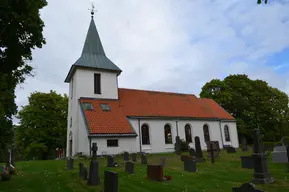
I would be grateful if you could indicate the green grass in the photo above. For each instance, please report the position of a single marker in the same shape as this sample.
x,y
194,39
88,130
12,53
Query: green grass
x,y
52,176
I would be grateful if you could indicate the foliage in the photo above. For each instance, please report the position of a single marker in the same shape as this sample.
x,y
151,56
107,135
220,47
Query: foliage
x,y
253,103
260,1
20,32
43,124
184,146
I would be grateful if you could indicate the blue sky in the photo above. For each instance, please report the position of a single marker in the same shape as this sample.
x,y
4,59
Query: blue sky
x,y
166,45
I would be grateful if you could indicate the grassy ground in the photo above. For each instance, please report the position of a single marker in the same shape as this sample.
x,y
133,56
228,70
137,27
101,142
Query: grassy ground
x,y
52,176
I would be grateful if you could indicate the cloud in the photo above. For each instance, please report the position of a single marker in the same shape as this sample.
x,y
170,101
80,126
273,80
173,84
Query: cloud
x,y
165,45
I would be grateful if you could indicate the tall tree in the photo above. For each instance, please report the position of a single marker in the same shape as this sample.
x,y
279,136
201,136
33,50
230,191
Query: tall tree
x,y
43,124
20,32
253,103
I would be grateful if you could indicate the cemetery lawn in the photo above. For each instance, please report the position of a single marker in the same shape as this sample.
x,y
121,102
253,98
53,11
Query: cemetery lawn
x,y
52,176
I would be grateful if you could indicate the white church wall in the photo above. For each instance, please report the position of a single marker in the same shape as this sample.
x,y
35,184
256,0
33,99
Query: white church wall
x,y
82,141
234,141
85,84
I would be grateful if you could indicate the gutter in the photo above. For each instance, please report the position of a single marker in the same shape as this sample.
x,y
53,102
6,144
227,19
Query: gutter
x,y
177,128
89,146
221,133
139,136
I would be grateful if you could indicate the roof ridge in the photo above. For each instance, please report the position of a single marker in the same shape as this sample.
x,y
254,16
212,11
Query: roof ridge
x,y
162,92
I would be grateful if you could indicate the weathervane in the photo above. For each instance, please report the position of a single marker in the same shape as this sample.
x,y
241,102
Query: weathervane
x,y
92,10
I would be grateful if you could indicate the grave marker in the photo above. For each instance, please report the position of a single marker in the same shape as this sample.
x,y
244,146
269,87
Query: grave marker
x,y
129,167
190,165
93,178
244,144
231,149
246,187
199,152
163,161
80,174
85,173
133,157
178,145
110,181
192,152
69,163
261,173
94,149
279,155
211,151
110,161
155,172
247,162
126,156
143,159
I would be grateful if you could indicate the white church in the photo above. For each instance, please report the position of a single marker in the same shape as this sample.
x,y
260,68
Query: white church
x,y
132,120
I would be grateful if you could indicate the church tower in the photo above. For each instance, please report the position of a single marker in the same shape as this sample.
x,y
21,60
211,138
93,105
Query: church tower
x,y
93,75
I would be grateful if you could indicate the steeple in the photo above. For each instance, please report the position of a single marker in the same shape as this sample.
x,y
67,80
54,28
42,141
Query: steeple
x,y
93,55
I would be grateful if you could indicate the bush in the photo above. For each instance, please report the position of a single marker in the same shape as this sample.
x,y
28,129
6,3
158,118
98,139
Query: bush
x,y
184,146
5,176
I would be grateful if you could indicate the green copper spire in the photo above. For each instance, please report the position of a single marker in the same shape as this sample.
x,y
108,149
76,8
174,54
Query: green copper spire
x,y
93,55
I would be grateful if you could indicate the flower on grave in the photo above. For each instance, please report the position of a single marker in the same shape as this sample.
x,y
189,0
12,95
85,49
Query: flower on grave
x,y
5,176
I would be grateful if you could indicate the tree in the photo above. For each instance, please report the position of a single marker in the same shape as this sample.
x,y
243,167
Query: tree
x,y
260,1
253,103
20,32
43,124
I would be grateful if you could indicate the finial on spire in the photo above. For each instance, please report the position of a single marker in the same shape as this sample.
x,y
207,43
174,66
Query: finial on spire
x,y
92,10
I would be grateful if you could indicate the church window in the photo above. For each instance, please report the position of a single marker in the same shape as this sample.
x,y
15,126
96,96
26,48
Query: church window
x,y
87,106
168,134
112,143
188,133
97,84
206,133
105,107
227,133
70,121
145,135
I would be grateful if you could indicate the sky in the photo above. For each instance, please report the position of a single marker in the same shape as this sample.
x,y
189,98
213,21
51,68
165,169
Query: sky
x,y
166,45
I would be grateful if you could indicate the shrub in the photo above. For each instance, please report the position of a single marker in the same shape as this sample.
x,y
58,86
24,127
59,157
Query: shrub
x,y
184,146
5,176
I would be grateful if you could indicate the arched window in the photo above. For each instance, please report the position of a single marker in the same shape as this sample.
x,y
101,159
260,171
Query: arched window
x,y
145,135
227,133
70,144
206,133
168,134
188,133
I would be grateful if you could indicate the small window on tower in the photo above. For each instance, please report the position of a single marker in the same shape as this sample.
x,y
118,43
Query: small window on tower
x,y
105,107
87,106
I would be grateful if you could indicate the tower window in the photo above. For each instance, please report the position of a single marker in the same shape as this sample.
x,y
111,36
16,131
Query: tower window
x,y
105,107
87,106
97,84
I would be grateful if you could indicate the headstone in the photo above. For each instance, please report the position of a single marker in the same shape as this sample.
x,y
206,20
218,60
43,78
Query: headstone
x,y
93,178
279,155
199,152
216,143
261,173
244,144
110,181
110,161
129,167
231,150
178,145
212,149
69,163
163,161
247,162
246,187
126,156
133,157
190,165
155,172
192,152
80,174
143,159
211,152
85,173
94,149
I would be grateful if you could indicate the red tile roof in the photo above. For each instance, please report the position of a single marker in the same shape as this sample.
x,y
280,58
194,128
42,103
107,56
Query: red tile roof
x,y
142,103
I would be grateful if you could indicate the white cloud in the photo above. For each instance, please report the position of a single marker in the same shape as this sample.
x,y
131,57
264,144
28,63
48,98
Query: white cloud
x,y
162,44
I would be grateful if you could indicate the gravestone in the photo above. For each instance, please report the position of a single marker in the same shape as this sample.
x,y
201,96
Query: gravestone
x,y
94,149
143,159
216,143
126,156
244,144
110,181
212,149
279,155
190,165
80,174
261,173
178,145
133,157
85,173
231,149
192,152
155,172
246,187
129,167
199,152
93,178
69,163
163,161
247,162
110,161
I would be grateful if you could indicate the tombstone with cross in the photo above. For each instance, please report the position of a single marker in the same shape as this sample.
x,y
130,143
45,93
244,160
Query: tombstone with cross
x,y
94,149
